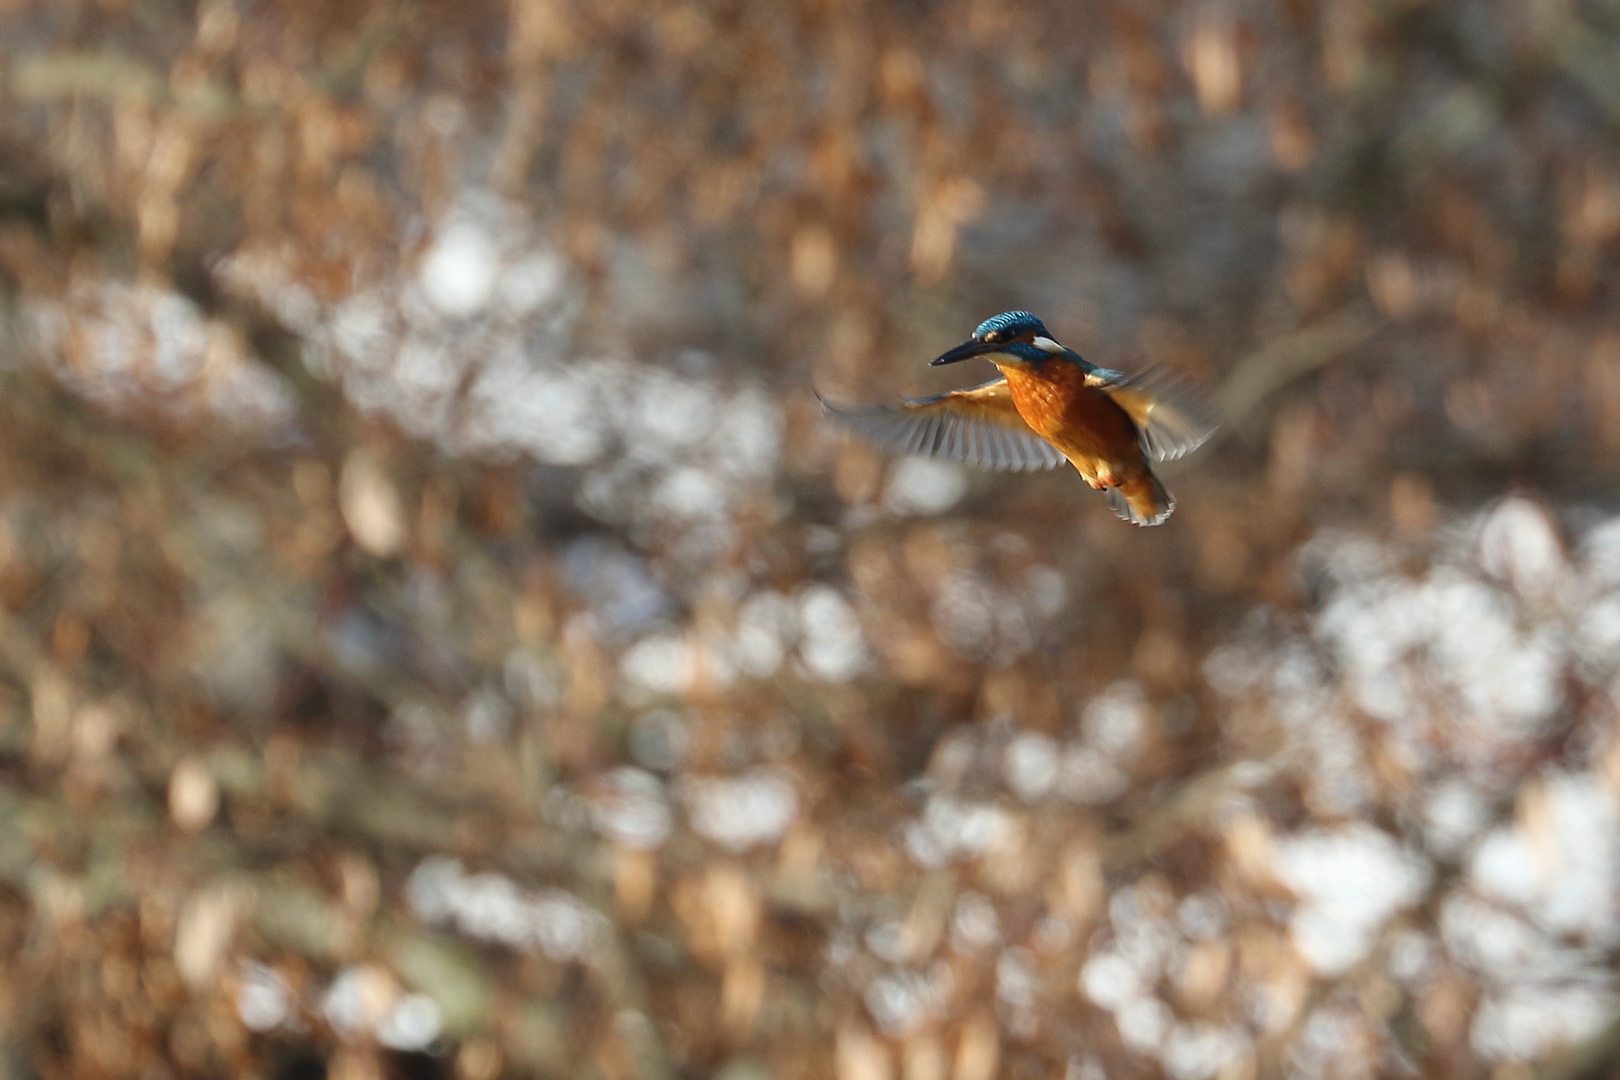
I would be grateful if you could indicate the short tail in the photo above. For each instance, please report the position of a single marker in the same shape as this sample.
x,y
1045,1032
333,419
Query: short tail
x,y
1141,500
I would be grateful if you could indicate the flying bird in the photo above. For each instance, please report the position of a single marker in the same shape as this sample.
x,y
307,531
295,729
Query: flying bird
x,y
1046,407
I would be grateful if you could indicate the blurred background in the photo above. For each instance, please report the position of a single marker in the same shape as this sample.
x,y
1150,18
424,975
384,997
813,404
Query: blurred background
x,y
439,636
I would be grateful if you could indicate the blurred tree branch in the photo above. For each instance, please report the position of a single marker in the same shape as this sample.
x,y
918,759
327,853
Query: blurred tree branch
x,y
1258,376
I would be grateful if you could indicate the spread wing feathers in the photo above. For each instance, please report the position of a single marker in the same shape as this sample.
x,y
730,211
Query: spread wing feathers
x,y
1170,420
978,426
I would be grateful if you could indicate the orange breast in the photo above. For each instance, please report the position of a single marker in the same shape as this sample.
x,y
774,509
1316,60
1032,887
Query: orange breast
x,y
1079,420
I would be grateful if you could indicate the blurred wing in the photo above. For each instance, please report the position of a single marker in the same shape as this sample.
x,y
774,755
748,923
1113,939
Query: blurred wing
x,y
1170,420
978,426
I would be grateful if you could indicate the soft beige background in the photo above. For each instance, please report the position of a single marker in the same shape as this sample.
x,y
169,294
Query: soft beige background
x,y
438,636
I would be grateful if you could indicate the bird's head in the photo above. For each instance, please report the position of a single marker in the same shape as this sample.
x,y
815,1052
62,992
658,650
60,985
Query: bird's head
x,y
1013,337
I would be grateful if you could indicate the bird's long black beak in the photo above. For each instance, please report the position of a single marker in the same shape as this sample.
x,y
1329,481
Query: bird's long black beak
x,y
965,351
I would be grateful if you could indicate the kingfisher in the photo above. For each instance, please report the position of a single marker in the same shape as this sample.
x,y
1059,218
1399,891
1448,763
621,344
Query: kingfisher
x,y
1046,407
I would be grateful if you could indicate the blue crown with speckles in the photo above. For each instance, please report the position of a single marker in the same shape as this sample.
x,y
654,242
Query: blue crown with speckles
x,y
1009,324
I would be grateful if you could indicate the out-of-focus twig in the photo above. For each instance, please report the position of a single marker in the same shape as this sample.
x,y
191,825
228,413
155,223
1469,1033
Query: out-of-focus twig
x,y
108,75
95,74
1598,1058
1262,374
1588,57
1189,808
